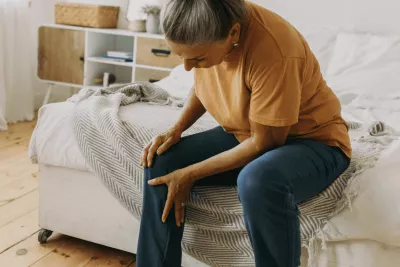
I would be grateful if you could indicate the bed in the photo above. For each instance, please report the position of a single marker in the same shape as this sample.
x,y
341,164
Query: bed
x,y
363,70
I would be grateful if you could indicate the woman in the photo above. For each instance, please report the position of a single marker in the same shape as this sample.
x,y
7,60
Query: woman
x,y
282,138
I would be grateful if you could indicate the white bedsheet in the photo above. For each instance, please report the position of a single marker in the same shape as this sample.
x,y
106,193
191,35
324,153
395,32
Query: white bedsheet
x,y
364,72
375,212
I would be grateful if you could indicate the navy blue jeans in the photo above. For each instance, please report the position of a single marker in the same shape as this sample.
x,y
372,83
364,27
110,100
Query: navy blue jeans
x,y
270,187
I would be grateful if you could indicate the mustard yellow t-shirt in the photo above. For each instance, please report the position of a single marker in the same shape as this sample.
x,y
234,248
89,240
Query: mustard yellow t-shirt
x,y
274,79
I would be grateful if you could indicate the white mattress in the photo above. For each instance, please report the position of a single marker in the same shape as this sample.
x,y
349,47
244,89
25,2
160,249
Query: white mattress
x,y
55,142
358,253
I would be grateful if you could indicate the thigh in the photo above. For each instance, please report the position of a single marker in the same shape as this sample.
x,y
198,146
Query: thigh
x,y
196,148
306,167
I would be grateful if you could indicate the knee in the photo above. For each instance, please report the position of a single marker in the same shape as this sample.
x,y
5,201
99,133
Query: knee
x,y
162,165
259,183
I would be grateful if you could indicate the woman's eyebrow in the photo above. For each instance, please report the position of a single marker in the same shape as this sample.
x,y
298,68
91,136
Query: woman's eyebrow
x,y
195,58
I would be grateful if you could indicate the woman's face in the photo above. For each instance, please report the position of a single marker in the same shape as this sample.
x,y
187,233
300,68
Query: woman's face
x,y
205,55
201,56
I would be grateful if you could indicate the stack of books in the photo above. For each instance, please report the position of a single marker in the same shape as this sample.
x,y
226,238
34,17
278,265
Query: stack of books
x,y
119,56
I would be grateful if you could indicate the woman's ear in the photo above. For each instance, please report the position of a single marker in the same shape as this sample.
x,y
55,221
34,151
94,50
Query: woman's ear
x,y
235,32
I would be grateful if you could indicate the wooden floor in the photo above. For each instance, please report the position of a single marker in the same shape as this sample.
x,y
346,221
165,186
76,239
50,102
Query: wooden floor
x,y
19,246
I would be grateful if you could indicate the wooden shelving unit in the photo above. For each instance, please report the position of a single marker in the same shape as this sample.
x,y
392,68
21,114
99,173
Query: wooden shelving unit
x,y
72,56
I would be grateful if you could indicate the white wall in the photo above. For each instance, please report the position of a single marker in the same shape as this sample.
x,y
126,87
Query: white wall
x,y
356,15
134,11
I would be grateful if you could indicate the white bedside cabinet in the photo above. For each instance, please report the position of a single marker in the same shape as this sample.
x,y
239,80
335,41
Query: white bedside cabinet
x,y
73,56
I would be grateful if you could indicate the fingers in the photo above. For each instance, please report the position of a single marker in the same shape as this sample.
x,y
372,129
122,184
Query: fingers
x,y
158,145
183,214
152,151
143,159
186,199
179,209
187,195
178,212
164,147
175,198
158,181
168,205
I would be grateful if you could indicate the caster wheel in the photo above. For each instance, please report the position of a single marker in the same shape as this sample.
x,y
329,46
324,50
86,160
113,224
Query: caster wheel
x,y
44,235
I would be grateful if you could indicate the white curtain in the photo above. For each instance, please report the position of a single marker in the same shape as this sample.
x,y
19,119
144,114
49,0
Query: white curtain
x,y
16,95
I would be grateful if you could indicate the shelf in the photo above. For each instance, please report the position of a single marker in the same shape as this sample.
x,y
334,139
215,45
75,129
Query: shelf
x,y
116,31
152,68
92,44
109,61
126,64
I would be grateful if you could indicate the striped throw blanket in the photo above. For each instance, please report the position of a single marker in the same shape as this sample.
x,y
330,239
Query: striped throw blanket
x,y
215,232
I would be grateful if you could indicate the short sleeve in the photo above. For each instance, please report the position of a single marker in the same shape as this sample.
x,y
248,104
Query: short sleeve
x,y
276,92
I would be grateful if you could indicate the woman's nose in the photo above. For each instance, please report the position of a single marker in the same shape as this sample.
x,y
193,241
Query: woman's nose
x,y
188,65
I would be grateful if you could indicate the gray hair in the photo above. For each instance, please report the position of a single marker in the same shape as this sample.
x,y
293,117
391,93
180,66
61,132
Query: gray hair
x,y
195,22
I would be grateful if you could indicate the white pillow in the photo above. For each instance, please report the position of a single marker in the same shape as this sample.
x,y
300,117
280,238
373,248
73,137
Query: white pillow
x,y
322,43
375,213
365,64
179,82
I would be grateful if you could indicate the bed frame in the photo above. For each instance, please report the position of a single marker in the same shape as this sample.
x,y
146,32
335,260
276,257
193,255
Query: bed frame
x,y
77,204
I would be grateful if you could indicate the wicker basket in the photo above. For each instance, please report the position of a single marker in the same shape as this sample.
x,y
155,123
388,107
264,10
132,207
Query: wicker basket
x,y
85,15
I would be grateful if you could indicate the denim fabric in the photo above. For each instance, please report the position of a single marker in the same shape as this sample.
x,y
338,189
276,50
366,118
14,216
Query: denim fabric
x,y
270,188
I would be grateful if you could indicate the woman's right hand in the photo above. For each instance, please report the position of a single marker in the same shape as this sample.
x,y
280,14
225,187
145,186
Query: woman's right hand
x,y
159,145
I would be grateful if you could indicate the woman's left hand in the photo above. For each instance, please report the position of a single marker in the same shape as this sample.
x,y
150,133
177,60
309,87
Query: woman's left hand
x,y
179,186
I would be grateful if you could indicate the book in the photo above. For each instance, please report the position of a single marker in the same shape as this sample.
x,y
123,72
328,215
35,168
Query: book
x,y
118,54
118,59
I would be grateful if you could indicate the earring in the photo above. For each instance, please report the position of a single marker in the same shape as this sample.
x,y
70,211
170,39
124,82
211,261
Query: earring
x,y
233,48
